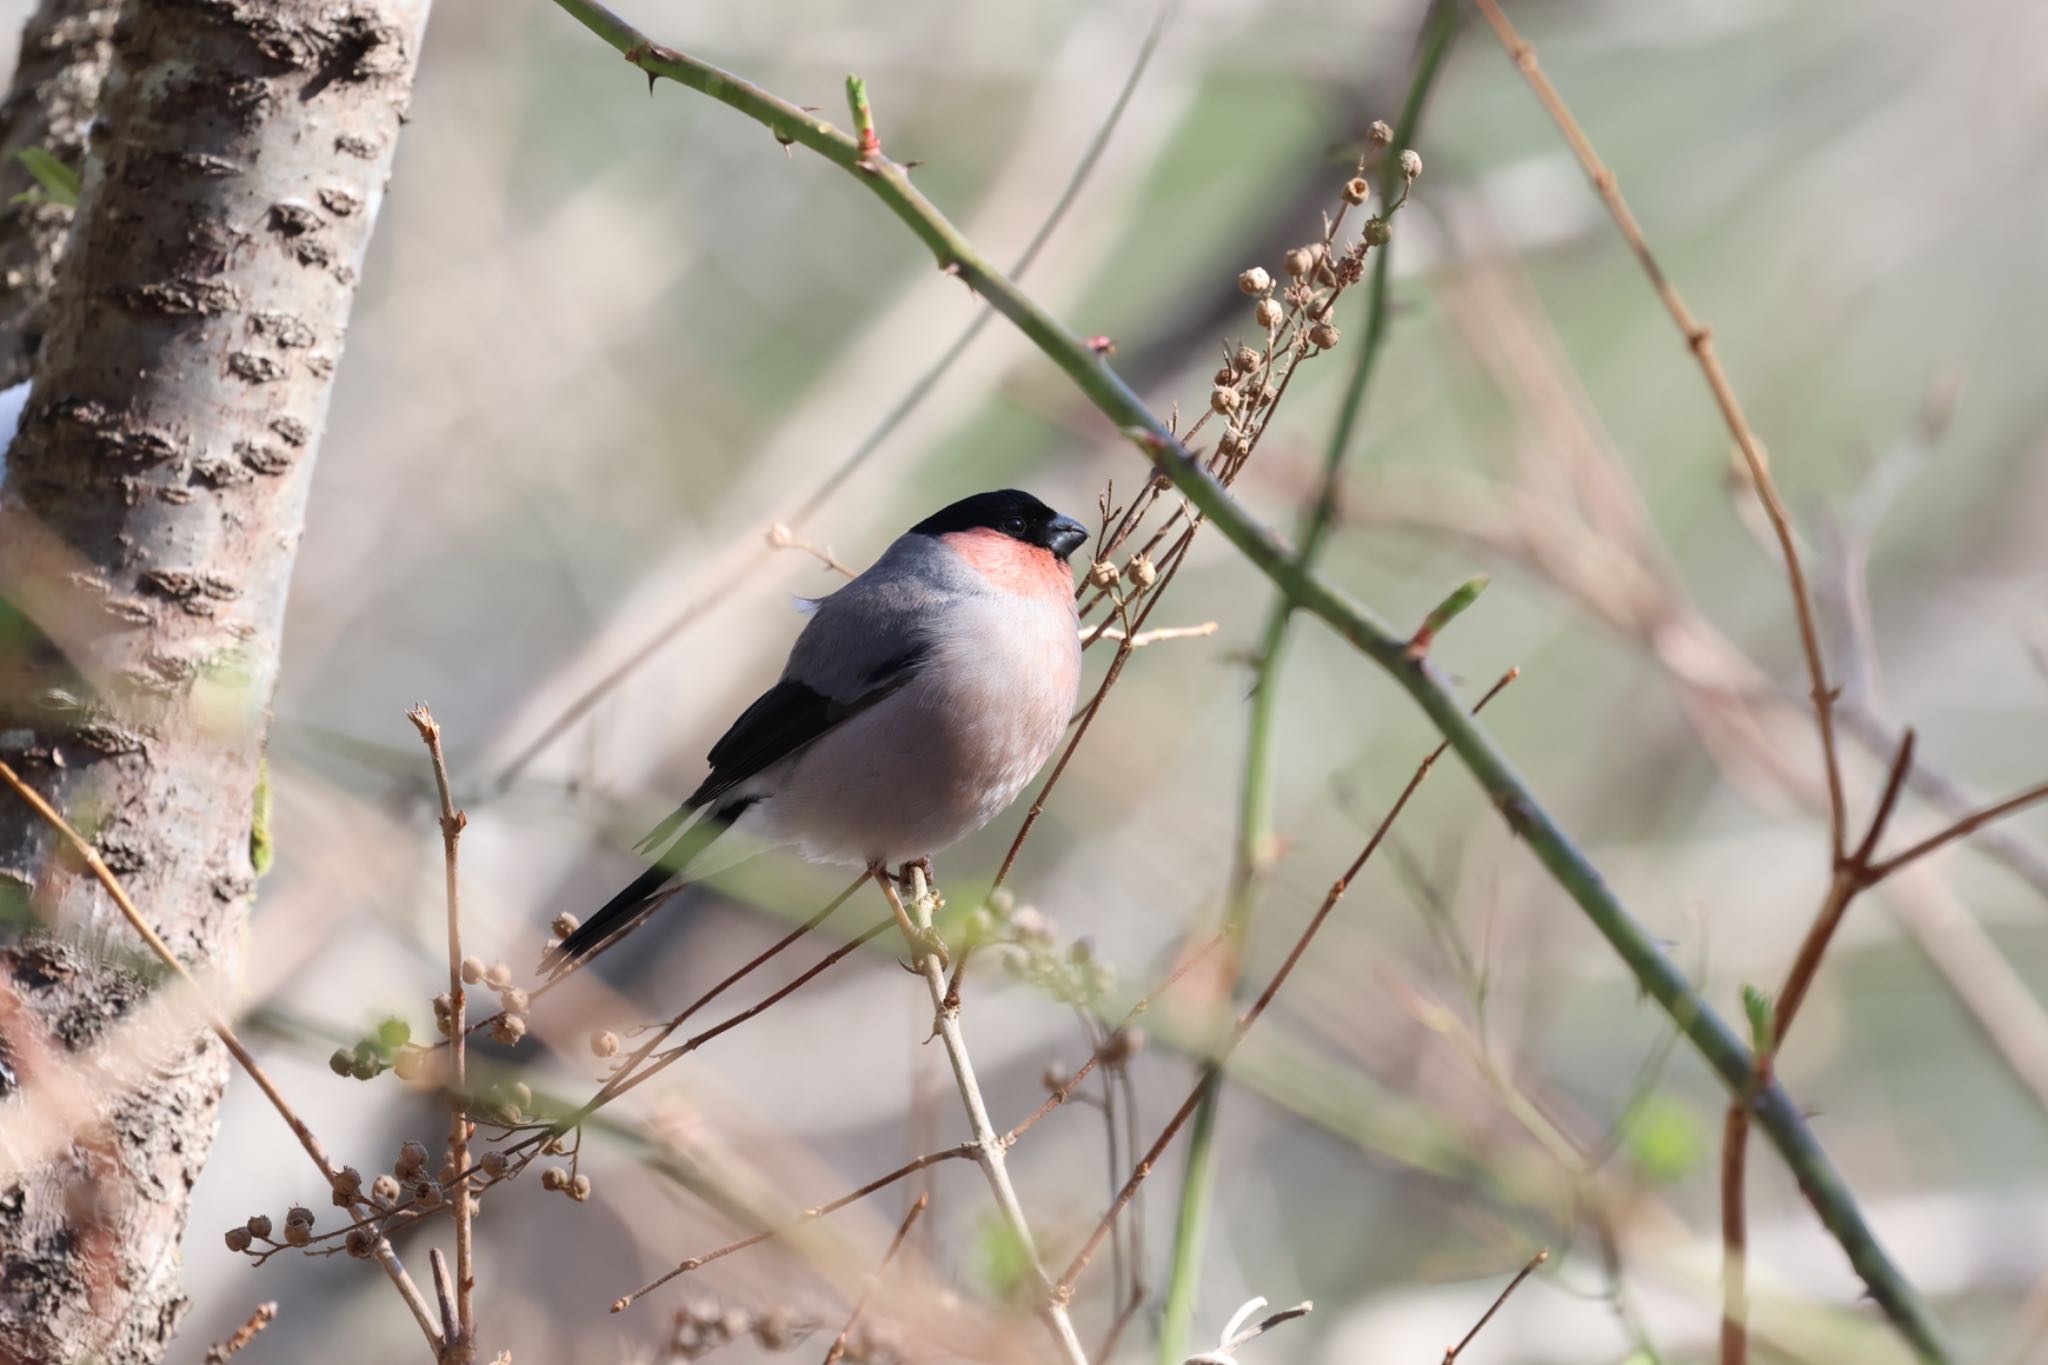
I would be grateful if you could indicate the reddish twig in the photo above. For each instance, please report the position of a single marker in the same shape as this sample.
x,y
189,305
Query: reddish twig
x,y
908,1168
1962,828
1258,1007
860,1306
265,1314
1451,1356
1700,339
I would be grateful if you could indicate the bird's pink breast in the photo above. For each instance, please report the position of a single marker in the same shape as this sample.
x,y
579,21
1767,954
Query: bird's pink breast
x,y
1011,566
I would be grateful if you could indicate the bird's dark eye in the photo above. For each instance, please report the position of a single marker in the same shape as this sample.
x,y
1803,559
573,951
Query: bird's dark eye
x,y
1013,526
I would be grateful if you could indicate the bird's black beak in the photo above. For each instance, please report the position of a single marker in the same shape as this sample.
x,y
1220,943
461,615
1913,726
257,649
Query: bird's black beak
x,y
1064,535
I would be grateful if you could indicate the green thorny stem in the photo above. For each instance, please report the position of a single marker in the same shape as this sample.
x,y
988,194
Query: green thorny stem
x,y
1255,793
1567,864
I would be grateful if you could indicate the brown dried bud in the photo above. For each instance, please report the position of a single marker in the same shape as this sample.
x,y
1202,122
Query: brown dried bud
x,y
579,1188
495,1164
497,976
1379,135
1299,261
1411,164
427,1193
1255,281
554,1178
298,1215
298,1234
1246,360
1102,573
508,1029
412,1159
365,1066
259,1225
604,1043
1357,190
1143,571
348,1183
341,1062
361,1243
1325,335
565,924
384,1191
1350,270
238,1238
513,1001
1223,399
1269,313
1377,233
472,972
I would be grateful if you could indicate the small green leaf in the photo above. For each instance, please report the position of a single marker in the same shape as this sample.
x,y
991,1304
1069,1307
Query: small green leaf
x,y
1762,1024
1448,610
59,182
1664,1139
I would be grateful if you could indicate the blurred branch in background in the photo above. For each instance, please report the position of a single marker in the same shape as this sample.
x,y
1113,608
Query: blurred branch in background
x,y
1567,864
1255,831
1852,872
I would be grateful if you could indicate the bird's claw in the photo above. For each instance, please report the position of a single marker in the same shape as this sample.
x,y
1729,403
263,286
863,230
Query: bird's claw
x,y
926,943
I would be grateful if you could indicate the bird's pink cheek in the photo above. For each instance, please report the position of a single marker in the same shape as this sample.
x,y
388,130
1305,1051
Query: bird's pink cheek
x,y
1012,566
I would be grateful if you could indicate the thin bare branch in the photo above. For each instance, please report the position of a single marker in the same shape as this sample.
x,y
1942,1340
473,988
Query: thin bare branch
x,y
1961,829
452,823
987,1146
1258,1007
1451,1356
908,1168
917,1208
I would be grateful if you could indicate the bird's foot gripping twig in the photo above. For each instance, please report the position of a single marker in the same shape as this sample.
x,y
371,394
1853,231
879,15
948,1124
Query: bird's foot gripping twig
x,y
923,939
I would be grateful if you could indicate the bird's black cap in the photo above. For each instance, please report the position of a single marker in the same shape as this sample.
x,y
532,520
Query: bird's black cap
x,y
1013,513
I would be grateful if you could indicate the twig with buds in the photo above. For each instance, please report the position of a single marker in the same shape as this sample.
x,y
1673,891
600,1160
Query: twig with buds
x,y
458,1342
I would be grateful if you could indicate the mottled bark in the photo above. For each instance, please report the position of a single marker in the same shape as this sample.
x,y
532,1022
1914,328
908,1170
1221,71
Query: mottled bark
x,y
66,50
152,506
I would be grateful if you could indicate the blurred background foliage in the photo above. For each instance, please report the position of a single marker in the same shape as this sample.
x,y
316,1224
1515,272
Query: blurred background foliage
x,y
605,339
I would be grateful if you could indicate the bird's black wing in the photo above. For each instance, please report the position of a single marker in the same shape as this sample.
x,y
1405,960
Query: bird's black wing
x,y
781,721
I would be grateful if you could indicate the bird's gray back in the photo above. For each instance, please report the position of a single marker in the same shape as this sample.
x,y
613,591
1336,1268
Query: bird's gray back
x,y
866,629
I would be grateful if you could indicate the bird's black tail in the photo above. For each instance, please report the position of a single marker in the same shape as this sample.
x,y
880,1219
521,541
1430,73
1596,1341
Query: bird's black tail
x,y
645,892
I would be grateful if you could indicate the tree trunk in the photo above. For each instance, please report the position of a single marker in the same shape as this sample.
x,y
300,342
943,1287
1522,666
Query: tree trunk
x,y
66,50
152,504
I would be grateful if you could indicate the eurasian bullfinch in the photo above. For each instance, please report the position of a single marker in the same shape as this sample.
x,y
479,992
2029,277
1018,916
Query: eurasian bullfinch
x,y
916,703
